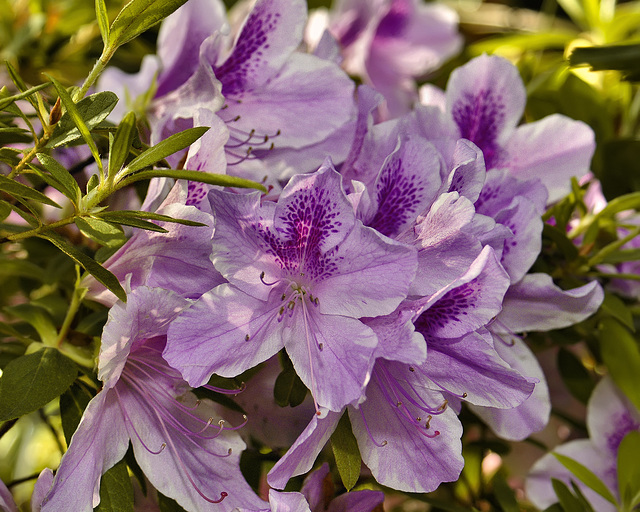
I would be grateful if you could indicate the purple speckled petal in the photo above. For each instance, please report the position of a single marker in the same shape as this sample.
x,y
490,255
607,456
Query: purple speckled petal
x,y
397,448
538,484
469,303
537,304
225,332
554,149
471,365
180,37
271,32
486,99
100,441
530,416
300,457
333,355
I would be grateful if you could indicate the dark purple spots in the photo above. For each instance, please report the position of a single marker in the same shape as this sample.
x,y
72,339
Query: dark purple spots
x,y
399,197
479,117
449,309
308,220
196,192
395,21
246,57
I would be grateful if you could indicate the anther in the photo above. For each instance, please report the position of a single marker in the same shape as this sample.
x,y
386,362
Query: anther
x,y
247,337
412,369
320,347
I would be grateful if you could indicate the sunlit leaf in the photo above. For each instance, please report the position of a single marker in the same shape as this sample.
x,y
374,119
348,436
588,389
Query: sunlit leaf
x,y
586,476
69,186
19,190
100,231
122,141
116,491
346,452
73,402
103,20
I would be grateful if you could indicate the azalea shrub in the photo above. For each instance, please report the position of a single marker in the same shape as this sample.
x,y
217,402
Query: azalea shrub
x,y
362,256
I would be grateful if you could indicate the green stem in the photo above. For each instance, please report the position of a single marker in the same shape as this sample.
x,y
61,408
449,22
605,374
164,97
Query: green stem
x,y
38,230
97,70
76,300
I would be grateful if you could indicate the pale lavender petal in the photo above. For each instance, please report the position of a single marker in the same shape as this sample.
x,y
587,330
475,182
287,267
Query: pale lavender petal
x,y
127,328
538,484
537,304
471,366
486,99
268,36
302,104
468,174
554,149
225,332
430,94
372,277
610,416
501,187
300,457
357,501
313,487
41,489
530,416
400,452
332,355
7,503
287,502
180,37
397,337
100,441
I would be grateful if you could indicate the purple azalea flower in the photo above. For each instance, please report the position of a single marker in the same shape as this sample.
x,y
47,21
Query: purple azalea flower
x,y
610,417
41,487
432,352
301,273
390,43
183,451
484,102
179,260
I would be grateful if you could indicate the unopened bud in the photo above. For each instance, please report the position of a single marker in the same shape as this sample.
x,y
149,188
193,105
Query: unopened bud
x,y
56,113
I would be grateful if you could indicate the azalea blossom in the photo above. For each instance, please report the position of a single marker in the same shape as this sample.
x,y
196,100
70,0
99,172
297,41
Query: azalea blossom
x,y
184,449
610,417
301,273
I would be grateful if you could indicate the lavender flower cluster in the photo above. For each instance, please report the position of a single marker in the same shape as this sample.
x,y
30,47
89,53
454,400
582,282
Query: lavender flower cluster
x,y
390,259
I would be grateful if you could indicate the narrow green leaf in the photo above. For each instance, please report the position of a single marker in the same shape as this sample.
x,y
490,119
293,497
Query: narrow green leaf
x,y
574,375
78,120
5,210
504,494
163,149
89,264
585,503
19,190
119,149
133,222
629,470
39,319
346,452
620,57
19,82
5,102
615,306
138,16
621,203
568,501
73,402
289,389
622,256
116,491
103,20
70,186
586,476
168,505
133,214
621,355
32,381
222,180
100,231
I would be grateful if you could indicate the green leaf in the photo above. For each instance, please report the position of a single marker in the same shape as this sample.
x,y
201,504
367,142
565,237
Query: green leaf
x,y
620,57
138,16
19,190
32,381
73,402
134,214
289,389
346,452
78,120
125,220
69,186
614,306
89,264
629,470
586,476
5,102
504,494
100,231
585,503
568,501
5,210
39,319
93,110
574,375
163,149
116,491
122,141
168,505
222,180
103,20
620,353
